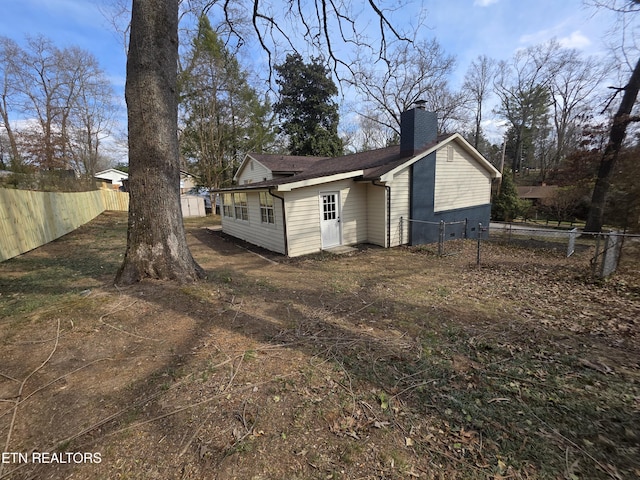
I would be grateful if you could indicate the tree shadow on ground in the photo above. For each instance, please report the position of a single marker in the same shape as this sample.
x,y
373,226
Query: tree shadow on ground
x,y
258,355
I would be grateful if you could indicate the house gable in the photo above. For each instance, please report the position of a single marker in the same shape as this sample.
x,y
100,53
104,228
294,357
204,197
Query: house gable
x,y
460,181
452,183
473,156
252,171
188,181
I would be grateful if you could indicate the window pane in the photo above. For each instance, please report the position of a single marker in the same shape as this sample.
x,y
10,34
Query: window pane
x,y
266,208
329,207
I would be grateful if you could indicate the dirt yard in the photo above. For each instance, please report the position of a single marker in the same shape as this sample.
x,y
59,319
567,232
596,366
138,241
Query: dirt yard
x,y
378,364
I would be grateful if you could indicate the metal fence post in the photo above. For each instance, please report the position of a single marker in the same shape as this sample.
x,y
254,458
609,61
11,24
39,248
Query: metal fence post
x,y
571,247
441,238
596,256
401,232
479,241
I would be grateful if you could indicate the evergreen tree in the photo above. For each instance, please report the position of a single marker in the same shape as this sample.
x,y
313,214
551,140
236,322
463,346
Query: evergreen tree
x,y
222,116
309,115
506,204
527,114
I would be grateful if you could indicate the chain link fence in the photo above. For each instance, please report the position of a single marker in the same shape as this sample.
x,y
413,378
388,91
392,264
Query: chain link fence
x,y
603,250
442,232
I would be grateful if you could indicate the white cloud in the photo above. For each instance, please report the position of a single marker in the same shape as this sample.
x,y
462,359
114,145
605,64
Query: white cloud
x,y
483,3
575,40
540,36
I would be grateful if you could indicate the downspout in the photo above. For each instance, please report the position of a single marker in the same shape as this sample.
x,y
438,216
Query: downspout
x,y
388,190
284,223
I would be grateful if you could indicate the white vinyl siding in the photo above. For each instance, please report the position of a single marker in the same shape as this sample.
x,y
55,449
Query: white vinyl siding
x,y
266,235
377,215
303,216
354,212
303,221
400,200
460,182
253,172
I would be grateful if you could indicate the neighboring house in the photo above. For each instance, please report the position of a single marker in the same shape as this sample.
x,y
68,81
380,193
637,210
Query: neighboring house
x,y
116,177
112,176
188,182
537,195
301,205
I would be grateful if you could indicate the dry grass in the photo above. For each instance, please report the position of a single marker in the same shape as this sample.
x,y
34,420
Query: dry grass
x,y
380,364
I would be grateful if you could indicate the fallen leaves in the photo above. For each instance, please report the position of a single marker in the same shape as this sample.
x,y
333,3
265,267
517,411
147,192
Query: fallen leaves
x,y
597,366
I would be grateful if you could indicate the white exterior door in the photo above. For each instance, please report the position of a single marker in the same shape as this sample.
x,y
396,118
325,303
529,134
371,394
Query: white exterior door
x,y
330,219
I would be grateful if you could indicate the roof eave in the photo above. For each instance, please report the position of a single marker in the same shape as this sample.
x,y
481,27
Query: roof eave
x,y
287,187
493,171
387,177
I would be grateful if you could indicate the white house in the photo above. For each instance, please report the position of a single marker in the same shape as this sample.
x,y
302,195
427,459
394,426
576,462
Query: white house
x,y
188,181
112,176
301,205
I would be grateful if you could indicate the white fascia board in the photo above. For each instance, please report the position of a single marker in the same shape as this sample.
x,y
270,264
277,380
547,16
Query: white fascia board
x,y
114,171
495,173
287,187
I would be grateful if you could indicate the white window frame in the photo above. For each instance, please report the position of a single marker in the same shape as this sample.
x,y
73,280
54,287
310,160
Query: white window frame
x,y
267,212
240,206
227,205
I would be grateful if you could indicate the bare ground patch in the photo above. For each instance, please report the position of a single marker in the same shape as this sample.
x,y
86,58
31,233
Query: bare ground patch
x,y
377,364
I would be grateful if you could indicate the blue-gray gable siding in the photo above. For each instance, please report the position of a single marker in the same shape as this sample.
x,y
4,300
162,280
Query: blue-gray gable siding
x,y
423,177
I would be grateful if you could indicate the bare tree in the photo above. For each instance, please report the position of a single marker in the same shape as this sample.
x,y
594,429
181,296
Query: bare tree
x,y
9,89
44,90
412,72
523,86
68,98
572,90
478,84
371,133
91,120
621,121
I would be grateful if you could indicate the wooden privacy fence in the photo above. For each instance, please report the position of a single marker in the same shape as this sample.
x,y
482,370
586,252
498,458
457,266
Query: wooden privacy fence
x,y
29,219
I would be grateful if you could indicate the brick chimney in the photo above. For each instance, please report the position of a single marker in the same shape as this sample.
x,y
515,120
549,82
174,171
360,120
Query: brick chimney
x,y
418,128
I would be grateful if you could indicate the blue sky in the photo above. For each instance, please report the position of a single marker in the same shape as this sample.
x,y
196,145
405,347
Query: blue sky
x,y
67,22
465,28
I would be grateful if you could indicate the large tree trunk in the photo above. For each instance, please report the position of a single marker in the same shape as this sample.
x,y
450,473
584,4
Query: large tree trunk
x,y
156,241
616,137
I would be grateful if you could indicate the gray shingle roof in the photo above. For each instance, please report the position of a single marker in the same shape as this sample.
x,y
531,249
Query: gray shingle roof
x,y
285,163
374,163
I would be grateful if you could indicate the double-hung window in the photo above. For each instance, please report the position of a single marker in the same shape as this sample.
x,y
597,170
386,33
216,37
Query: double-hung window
x,y
266,208
240,205
227,205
